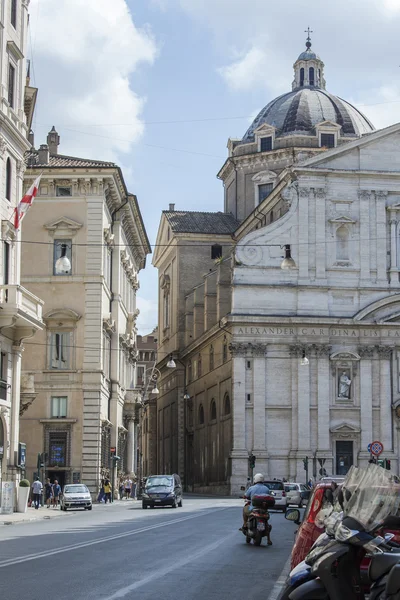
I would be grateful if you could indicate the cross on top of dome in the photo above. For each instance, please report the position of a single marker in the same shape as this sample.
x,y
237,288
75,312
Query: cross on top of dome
x,y
308,68
308,42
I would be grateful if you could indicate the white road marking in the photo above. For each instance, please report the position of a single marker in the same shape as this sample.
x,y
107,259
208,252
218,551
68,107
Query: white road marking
x,y
280,582
29,557
176,565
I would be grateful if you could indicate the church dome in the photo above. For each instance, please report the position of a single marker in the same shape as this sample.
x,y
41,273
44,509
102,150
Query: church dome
x,y
298,112
309,103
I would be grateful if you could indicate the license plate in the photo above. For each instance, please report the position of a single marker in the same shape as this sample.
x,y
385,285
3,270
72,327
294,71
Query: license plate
x,y
157,500
261,526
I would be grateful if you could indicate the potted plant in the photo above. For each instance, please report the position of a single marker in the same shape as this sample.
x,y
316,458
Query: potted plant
x,y
23,494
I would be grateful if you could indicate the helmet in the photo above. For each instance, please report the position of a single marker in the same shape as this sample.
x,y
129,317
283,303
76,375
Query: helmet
x,y
258,478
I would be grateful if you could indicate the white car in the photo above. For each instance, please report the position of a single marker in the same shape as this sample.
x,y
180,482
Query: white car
x,y
297,493
277,490
76,495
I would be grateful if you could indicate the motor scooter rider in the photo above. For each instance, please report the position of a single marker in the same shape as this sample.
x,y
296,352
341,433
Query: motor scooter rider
x,y
257,489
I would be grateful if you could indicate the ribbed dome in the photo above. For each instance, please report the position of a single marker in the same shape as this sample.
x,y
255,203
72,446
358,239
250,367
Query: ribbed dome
x,y
308,55
298,112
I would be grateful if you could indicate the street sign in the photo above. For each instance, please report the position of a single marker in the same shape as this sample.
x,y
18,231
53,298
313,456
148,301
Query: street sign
x,y
369,447
376,448
7,498
321,461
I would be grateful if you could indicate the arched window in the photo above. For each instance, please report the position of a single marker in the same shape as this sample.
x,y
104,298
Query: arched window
x,y
227,405
302,76
311,75
201,415
8,179
190,371
213,410
211,358
199,367
342,243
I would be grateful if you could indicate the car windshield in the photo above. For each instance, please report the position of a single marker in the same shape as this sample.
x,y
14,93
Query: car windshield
x,y
159,482
274,485
75,489
291,488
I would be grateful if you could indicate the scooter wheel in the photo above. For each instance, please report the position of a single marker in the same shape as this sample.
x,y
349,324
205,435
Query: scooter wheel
x,y
258,539
248,540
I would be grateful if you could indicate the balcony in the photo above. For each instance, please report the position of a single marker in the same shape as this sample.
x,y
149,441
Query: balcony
x,y
19,307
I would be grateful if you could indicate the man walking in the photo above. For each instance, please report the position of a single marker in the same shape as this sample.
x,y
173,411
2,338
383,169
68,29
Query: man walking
x,y
48,491
37,489
128,487
107,491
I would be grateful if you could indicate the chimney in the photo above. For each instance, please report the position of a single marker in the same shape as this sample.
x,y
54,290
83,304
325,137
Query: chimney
x,y
53,141
171,207
31,138
44,155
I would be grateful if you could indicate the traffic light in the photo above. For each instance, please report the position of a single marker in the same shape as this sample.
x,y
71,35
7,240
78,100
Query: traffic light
x,y
252,461
305,463
387,465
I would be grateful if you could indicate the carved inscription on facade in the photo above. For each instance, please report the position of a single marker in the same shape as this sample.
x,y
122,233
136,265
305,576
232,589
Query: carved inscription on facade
x,y
339,332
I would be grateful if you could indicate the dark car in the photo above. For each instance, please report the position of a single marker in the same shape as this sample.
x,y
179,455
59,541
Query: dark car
x,y
162,490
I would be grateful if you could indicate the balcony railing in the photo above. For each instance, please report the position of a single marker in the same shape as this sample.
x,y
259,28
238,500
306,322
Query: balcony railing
x,y
18,301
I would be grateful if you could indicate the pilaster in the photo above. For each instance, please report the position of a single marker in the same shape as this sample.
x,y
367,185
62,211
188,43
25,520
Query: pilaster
x,y
322,355
239,454
259,386
366,353
386,423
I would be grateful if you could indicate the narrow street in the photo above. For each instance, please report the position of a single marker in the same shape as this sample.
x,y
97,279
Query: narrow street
x,y
122,551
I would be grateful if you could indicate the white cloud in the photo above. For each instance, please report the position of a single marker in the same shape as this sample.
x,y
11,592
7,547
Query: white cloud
x,y
84,59
245,72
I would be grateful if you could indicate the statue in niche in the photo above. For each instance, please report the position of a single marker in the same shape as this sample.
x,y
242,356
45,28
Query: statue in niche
x,y
344,385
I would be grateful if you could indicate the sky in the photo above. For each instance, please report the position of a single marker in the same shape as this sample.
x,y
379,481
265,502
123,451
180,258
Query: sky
x,y
159,86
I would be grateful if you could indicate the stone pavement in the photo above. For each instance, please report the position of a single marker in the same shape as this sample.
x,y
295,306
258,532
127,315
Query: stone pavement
x,y
42,513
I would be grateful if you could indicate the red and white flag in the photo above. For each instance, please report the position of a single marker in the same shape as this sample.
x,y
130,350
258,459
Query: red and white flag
x,y
26,202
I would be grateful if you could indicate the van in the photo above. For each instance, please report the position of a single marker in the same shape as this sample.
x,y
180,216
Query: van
x,y
162,490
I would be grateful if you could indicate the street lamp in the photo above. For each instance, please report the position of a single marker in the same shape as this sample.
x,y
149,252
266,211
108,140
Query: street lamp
x,y
171,364
304,360
63,264
186,396
288,263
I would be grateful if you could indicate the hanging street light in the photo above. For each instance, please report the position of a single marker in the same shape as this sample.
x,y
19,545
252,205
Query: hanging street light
x,y
288,262
171,364
63,264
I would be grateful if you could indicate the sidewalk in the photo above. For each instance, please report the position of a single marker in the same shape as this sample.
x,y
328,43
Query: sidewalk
x,y
46,513
31,515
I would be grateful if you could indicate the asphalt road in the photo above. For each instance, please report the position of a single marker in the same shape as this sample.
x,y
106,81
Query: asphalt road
x,y
122,551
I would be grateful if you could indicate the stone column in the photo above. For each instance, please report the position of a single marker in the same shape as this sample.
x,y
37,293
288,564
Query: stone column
x,y
15,406
131,447
259,393
320,233
385,353
323,400
303,405
394,272
239,453
303,232
364,197
381,235
366,353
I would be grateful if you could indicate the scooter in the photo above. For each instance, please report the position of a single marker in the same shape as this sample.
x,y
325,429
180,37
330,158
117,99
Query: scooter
x,y
257,523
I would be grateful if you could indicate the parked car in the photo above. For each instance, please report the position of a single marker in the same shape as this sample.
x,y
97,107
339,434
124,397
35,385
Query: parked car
x,y
278,491
162,490
310,528
76,495
297,493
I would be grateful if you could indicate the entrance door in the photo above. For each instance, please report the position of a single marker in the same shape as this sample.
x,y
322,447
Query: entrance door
x,y
344,457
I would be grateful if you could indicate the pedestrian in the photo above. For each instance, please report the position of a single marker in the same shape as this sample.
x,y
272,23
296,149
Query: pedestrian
x,y
133,491
128,487
56,493
37,488
121,488
107,491
48,492
100,497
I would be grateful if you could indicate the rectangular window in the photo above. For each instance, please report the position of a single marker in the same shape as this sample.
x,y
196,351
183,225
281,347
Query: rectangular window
x,y
13,16
266,144
264,190
3,366
62,190
60,350
166,310
106,355
58,407
62,257
248,397
248,364
11,85
327,140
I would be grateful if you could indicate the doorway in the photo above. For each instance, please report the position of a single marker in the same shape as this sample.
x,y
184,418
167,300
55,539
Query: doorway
x,y
344,457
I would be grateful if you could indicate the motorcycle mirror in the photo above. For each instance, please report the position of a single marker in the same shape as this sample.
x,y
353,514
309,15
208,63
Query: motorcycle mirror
x,y
293,514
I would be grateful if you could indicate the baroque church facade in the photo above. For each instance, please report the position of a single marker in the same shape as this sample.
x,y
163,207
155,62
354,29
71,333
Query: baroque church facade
x,y
295,358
